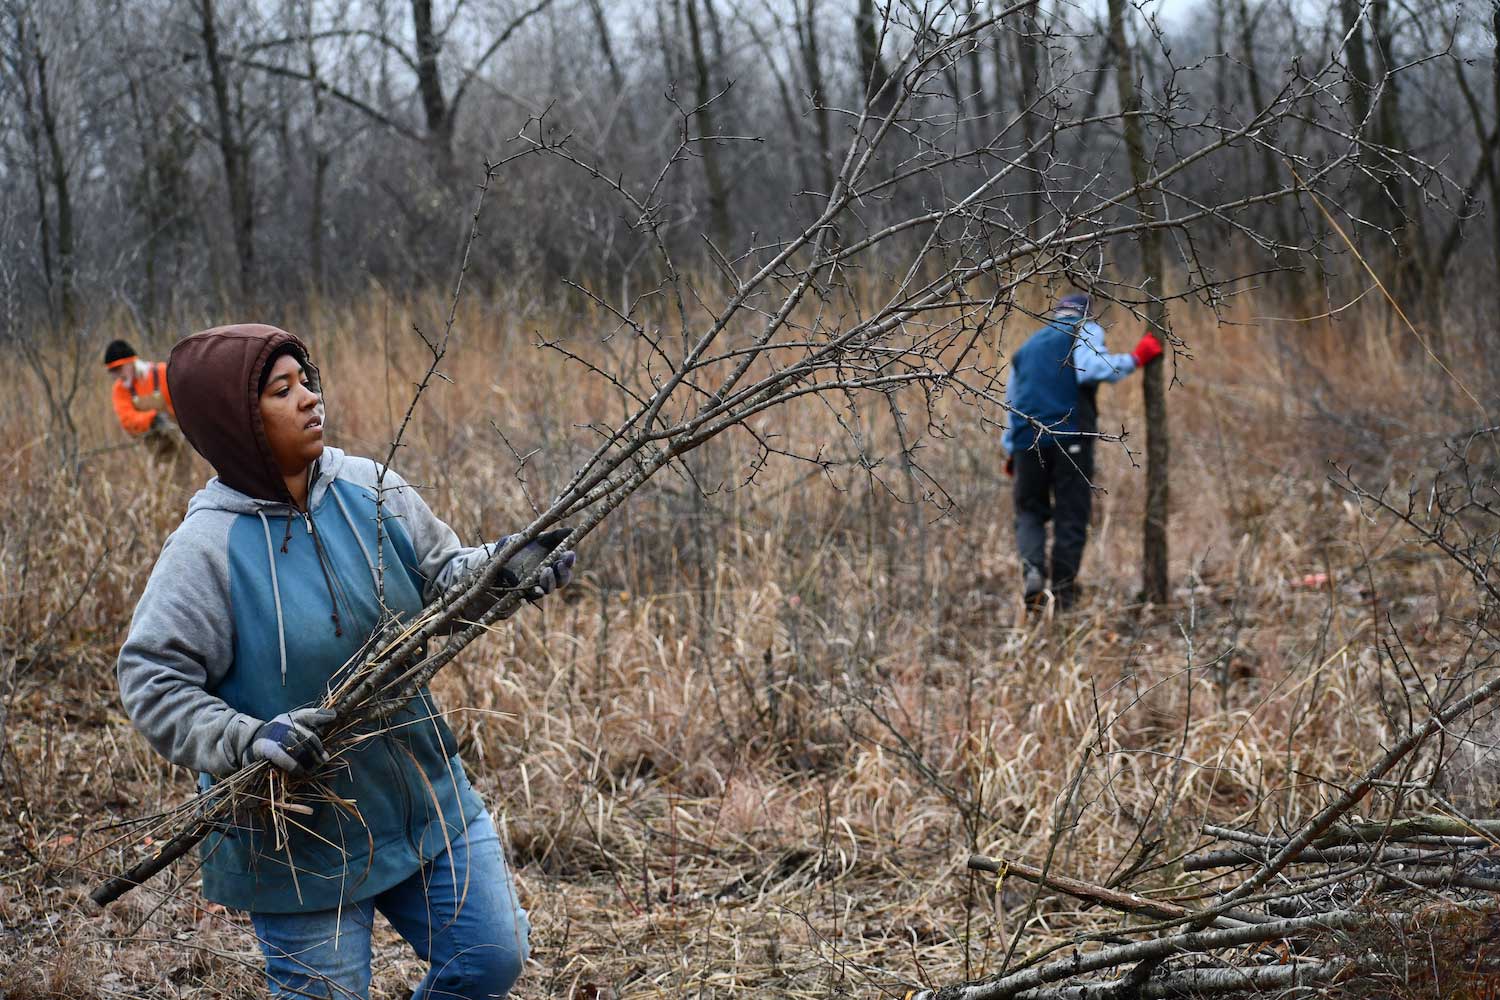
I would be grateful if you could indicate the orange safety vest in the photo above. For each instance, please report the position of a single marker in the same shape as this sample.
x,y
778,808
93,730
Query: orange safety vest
x,y
137,421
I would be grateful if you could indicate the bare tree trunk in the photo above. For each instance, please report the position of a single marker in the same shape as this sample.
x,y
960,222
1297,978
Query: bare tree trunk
x,y
1153,381
1494,166
150,199
430,86
807,43
716,32
872,72
1484,170
1221,21
1270,170
1028,46
49,165
26,73
1001,62
718,194
233,151
321,157
1374,205
606,47
667,38
58,170
976,83
1405,211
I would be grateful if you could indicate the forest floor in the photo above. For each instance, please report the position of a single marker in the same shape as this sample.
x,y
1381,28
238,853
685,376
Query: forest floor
x,y
750,749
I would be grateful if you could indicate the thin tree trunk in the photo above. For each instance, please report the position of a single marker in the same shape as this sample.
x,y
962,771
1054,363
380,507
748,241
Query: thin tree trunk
x,y
1484,170
1270,170
1372,200
430,86
1495,166
321,157
872,72
58,169
667,39
976,84
34,143
807,42
1154,550
1405,211
606,47
1221,20
718,194
1028,65
232,151
151,200
716,32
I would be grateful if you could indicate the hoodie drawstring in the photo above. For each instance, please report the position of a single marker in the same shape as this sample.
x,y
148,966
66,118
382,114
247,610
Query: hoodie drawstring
x,y
374,574
276,589
323,564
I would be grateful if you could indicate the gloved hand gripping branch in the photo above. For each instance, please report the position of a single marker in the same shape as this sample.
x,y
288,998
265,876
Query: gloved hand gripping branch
x,y
551,577
291,740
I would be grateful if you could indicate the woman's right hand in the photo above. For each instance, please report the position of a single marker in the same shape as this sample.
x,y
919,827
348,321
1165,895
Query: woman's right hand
x,y
290,741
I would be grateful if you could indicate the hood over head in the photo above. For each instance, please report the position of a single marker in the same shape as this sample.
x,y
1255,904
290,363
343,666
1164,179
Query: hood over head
x,y
214,379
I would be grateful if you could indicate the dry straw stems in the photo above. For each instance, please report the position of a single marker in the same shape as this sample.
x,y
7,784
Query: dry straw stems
x,y
746,752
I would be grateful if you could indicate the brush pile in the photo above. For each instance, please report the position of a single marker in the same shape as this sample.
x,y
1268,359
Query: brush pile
x,y
1365,908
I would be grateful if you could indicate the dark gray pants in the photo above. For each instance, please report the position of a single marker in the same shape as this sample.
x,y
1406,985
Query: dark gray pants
x,y
1053,484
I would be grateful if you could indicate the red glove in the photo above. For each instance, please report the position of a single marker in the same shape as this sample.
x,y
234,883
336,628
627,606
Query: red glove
x,y
1147,350
1010,465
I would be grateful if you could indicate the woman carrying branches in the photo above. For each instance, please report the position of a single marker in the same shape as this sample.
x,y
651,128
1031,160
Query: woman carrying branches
x,y
284,567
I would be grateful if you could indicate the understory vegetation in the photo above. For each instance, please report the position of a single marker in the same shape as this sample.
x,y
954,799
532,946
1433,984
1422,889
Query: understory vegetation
x,y
749,750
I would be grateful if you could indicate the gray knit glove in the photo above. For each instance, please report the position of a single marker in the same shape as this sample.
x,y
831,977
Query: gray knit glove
x,y
290,741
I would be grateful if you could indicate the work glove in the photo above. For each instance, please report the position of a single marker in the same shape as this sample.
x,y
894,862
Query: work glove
x,y
559,574
1147,350
290,741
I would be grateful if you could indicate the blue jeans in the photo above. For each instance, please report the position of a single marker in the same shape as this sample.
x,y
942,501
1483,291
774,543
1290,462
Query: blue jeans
x,y
459,912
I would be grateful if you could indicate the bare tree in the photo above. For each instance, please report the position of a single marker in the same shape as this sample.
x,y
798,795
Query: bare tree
x,y
806,24
708,144
233,138
1154,555
29,63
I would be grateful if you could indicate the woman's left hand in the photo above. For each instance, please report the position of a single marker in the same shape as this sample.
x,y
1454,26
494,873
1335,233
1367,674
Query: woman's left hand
x,y
559,574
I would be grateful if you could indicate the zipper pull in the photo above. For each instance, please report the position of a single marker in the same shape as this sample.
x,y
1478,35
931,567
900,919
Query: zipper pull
x,y
307,520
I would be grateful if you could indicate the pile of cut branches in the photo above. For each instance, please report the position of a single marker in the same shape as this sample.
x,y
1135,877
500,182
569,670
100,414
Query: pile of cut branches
x,y
1346,907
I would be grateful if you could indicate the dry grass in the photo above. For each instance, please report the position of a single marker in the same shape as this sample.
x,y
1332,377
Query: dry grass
x,y
748,751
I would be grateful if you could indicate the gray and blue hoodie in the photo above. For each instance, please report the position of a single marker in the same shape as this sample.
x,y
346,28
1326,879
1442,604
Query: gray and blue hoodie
x,y
251,610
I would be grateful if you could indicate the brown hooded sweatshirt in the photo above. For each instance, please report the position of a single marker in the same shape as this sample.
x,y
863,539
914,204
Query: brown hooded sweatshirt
x,y
236,627
214,379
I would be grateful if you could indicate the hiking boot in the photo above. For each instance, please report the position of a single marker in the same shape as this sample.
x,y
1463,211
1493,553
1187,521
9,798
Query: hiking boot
x,y
1033,584
1066,593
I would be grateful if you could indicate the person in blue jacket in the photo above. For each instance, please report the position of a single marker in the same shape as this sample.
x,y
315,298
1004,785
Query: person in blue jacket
x,y
259,597
1049,443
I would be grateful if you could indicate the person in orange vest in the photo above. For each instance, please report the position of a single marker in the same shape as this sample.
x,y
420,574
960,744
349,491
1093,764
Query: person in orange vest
x,y
143,403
